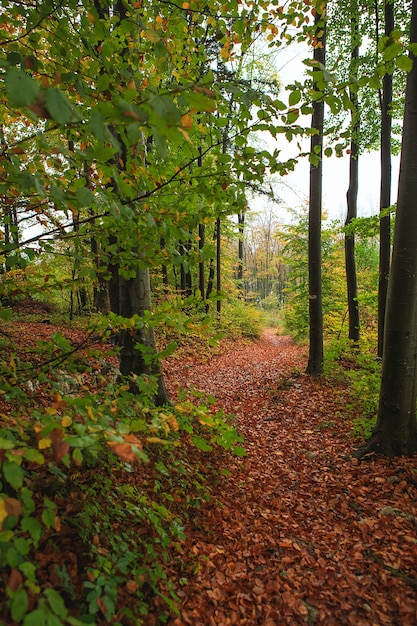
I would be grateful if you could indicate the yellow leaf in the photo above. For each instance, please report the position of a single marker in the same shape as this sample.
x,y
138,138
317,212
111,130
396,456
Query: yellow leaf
x,y
156,440
66,421
185,5
3,511
44,443
91,414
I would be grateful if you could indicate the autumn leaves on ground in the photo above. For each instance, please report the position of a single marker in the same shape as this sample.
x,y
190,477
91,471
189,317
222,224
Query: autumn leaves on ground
x,y
299,533
296,532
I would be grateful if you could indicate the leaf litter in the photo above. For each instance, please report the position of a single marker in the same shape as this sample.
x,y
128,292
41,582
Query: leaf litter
x,y
298,532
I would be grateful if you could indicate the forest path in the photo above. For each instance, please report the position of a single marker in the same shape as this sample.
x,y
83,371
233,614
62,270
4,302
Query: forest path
x,y
295,534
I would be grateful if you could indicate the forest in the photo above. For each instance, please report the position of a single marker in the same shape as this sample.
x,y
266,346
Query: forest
x,y
207,393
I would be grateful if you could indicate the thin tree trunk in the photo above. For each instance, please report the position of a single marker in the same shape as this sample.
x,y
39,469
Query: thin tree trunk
x,y
201,264
164,269
210,279
385,193
352,194
315,359
240,263
218,266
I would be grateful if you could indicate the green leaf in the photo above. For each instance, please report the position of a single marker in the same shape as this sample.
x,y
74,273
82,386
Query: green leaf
x,y
392,51
293,116
97,125
6,444
21,88
56,603
6,536
32,526
36,618
295,97
13,474
404,62
48,513
201,444
34,456
58,106
239,451
19,605
85,197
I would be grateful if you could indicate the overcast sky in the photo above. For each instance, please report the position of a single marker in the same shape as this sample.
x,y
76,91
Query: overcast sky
x,y
294,188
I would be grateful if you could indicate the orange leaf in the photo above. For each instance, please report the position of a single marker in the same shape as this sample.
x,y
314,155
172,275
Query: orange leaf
x,y
124,451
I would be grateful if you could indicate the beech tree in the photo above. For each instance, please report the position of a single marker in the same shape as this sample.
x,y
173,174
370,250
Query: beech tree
x,y
385,188
315,359
352,193
395,432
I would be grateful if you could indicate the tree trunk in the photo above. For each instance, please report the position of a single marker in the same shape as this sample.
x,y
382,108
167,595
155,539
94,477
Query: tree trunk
x,y
186,280
218,266
315,359
129,297
395,432
164,269
385,193
241,223
201,269
352,194
138,354
210,279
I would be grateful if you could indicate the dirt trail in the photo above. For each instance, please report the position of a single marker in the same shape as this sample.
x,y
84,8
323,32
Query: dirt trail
x,y
295,534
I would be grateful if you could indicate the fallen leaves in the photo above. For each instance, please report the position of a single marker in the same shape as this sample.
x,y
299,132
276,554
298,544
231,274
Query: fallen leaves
x,y
299,533
294,533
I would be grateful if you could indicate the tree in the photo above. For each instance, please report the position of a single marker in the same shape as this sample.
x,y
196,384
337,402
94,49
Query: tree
x,y
315,359
385,190
352,193
395,432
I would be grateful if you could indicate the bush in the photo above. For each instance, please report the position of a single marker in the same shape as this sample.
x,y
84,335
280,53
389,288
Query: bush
x,y
239,319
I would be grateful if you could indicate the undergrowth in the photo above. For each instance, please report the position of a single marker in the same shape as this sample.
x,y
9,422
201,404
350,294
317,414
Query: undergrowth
x,y
96,485
361,367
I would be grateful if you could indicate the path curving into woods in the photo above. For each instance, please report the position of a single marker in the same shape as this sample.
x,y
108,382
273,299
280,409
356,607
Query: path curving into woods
x,y
299,533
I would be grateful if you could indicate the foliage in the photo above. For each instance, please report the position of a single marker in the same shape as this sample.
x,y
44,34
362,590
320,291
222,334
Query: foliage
x,y
49,457
240,319
360,367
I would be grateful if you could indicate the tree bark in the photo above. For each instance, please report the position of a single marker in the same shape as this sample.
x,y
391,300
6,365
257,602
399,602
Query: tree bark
x,y
138,354
395,432
218,266
352,194
241,225
201,264
385,191
315,359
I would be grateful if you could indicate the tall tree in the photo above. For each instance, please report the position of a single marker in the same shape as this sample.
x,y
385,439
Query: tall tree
x,y
395,432
315,359
385,190
352,193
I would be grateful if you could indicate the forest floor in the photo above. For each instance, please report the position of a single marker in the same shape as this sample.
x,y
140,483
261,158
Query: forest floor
x,y
297,531
300,532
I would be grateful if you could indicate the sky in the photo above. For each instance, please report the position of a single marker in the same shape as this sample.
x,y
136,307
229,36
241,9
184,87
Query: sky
x,y
293,188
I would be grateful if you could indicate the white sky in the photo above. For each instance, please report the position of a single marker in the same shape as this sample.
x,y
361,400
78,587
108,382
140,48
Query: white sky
x,y
294,188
